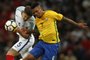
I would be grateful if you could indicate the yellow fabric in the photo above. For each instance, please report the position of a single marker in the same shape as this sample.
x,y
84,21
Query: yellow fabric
x,y
47,26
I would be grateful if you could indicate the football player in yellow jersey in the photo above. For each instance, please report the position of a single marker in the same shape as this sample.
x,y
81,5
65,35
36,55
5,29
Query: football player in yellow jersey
x,y
48,45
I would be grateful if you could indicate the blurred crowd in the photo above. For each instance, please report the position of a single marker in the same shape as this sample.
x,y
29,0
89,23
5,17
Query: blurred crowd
x,y
75,42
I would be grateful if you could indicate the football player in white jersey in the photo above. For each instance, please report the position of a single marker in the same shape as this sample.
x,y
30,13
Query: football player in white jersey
x,y
25,23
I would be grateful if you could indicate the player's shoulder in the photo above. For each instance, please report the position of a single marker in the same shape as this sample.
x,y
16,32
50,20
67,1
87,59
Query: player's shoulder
x,y
20,8
50,11
18,11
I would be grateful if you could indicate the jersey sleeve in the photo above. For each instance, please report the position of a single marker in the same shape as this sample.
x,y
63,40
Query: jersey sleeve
x,y
30,24
18,17
56,16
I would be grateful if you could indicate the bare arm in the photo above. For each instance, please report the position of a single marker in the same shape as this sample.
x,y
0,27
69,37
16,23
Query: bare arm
x,y
70,21
23,33
80,25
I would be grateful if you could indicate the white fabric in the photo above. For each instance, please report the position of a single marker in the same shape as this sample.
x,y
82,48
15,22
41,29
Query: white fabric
x,y
28,45
22,41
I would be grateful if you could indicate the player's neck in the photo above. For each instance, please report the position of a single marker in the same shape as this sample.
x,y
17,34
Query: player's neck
x,y
43,12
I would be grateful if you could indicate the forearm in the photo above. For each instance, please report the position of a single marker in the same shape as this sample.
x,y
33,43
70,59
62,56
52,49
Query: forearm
x,y
70,21
22,34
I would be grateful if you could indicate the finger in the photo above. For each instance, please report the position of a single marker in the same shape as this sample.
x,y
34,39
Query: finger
x,y
85,23
85,27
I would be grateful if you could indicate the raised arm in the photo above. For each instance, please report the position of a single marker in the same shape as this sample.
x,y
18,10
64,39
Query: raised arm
x,y
80,25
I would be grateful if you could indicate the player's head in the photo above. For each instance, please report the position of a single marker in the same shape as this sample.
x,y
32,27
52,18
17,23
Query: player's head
x,y
27,13
37,9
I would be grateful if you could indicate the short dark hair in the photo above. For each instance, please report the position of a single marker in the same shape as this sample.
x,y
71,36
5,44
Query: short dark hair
x,y
34,4
28,10
28,4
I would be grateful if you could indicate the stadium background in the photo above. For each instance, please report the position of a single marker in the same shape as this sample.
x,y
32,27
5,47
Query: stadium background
x,y
76,41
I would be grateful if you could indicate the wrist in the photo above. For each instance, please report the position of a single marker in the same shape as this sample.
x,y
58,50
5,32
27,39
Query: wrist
x,y
80,25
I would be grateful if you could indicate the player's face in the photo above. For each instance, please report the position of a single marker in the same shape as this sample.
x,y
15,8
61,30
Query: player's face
x,y
25,16
38,11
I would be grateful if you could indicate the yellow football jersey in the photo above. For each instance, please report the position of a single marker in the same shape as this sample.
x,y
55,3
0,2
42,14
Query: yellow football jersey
x,y
47,26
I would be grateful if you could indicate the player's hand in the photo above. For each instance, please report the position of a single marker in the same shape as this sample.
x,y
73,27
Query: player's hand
x,y
83,25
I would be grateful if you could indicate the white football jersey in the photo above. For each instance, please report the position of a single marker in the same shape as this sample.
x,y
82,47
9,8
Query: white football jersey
x,y
23,46
18,17
30,24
